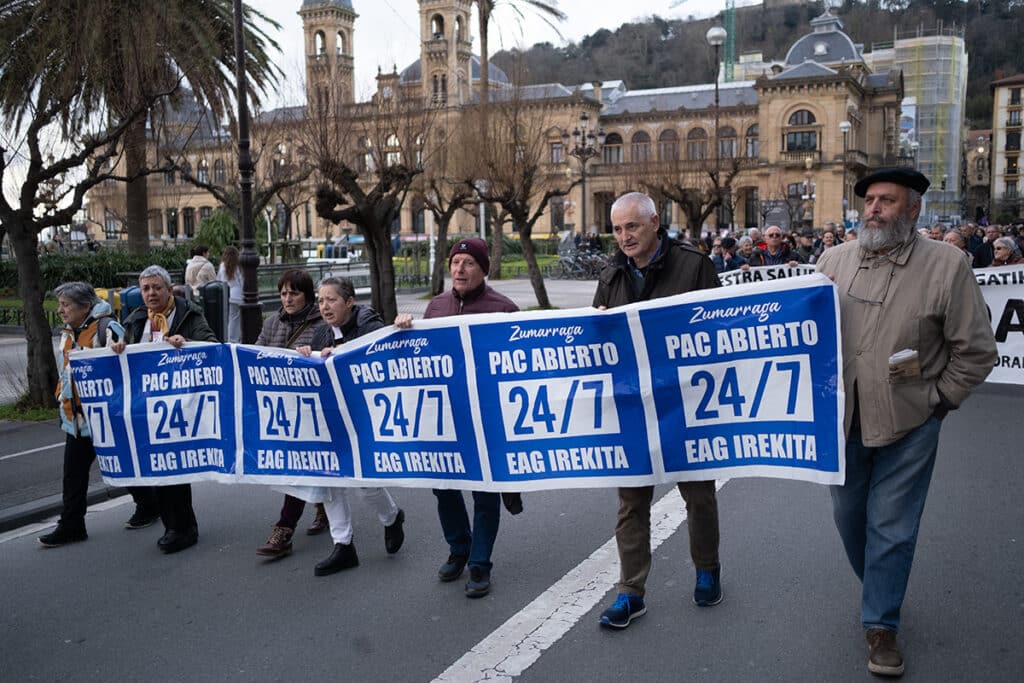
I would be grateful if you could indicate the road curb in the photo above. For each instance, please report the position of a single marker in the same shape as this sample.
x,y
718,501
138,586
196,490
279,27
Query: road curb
x,y
43,508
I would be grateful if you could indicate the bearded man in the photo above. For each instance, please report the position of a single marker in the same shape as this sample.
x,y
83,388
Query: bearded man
x,y
916,340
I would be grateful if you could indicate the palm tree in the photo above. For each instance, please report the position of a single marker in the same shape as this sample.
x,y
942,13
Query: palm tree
x,y
74,77
125,50
484,9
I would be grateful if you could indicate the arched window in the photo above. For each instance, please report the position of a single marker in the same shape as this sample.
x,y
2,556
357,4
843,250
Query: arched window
x,y
696,144
365,151
641,147
186,170
393,150
801,118
339,43
320,44
437,26
668,145
753,142
803,138
220,175
458,29
203,173
726,142
612,149
440,89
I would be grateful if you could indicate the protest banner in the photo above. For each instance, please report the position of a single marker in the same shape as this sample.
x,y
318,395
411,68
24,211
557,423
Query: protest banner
x,y
739,381
1003,289
764,274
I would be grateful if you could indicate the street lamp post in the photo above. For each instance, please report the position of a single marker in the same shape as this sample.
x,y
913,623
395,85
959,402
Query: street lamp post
x,y
715,37
585,146
844,128
252,318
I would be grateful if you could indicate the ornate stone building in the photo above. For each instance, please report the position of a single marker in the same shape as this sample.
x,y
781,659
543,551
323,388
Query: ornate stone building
x,y
781,134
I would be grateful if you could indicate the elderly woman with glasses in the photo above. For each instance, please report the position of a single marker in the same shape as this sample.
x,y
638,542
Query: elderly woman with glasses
x,y
1004,253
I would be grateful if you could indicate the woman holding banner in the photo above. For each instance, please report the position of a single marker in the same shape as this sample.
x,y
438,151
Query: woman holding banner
x,y
88,324
294,325
347,320
174,320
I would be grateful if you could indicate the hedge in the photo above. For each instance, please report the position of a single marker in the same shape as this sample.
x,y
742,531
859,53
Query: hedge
x,y
97,268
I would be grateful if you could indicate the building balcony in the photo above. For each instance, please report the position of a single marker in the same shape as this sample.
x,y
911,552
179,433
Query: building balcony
x,y
799,157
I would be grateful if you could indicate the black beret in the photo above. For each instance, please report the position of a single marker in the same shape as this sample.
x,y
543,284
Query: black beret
x,y
807,233
728,242
907,177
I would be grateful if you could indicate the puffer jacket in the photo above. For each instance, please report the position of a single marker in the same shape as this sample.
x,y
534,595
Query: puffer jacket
x,y
72,420
280,327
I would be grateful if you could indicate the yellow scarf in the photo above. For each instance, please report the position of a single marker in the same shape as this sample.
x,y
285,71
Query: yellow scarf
x,y
158,321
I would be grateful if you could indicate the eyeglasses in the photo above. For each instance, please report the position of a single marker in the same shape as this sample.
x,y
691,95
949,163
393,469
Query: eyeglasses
x,y
864,300
773,234
1000,248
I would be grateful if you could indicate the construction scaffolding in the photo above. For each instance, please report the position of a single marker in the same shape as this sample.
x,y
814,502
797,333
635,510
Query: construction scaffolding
x,y
934,65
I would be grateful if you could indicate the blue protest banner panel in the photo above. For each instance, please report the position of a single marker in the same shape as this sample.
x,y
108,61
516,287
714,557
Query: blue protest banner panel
x,y
561,399
100,388
408,397
182,411
748,384
291,423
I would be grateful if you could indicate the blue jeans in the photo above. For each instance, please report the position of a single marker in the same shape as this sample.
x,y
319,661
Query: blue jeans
x,y
878,512
477,542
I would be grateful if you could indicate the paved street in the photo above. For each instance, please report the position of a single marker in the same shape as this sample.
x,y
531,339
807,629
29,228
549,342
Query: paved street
x,y
115,608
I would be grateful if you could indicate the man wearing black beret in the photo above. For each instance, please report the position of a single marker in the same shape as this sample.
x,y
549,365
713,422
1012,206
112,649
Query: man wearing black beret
x,y
916,340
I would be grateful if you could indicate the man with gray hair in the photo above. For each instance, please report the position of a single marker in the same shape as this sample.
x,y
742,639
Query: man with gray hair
x,y
916,340
649,265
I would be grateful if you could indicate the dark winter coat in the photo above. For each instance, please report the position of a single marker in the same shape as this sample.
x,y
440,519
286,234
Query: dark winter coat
x,y
676,269
188,321
761,257
363,320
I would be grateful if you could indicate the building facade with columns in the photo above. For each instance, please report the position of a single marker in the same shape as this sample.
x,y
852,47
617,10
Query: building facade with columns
x,y
791,139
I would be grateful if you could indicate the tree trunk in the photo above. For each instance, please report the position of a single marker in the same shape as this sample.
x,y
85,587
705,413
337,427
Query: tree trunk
x,y
382,272
136,196
536,278
497,245
440,257
42,368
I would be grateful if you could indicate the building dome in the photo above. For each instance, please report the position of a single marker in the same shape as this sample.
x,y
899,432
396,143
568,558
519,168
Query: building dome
x,y
825,44
414,72
345,4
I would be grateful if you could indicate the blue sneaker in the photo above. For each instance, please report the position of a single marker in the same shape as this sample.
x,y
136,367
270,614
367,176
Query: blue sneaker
x,y
626,608
708,591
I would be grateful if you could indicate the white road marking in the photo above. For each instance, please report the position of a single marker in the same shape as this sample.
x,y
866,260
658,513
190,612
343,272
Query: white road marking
x,y
30,529
520,641
32,450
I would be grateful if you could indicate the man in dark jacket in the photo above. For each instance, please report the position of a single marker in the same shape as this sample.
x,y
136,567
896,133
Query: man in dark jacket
x,y
175,321
775,253
468,263
652,266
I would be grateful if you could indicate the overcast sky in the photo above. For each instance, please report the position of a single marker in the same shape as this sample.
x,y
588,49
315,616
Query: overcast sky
x,y
387,31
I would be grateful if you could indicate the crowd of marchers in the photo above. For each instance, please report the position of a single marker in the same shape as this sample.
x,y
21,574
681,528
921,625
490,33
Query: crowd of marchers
x,y
912,353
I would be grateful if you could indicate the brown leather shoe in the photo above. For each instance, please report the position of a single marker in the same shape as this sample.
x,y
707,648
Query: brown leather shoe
x,y
884,656
319,524
279,544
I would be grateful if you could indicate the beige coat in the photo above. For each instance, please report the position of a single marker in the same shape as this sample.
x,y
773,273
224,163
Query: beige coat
x,y
920,296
